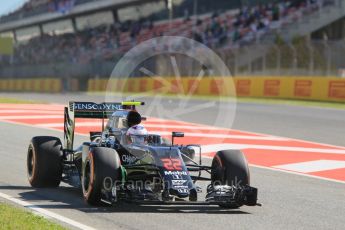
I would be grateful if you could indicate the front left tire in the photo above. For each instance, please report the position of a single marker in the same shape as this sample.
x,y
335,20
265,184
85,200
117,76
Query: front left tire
x,y
44,162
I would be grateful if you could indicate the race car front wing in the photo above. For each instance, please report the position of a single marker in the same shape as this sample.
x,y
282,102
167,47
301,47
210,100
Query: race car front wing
x,y
232,195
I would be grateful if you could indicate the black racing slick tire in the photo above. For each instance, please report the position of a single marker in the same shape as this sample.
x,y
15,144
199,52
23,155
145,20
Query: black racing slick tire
x,y
102,168
44,162
230,167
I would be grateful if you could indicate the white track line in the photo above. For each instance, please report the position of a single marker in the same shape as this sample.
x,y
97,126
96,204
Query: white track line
x,y
218,147
294,139
179,128
258,134
313,166
16,111
290,172
38,107
30,117
297,173
45,212
98,124
209,135
148,125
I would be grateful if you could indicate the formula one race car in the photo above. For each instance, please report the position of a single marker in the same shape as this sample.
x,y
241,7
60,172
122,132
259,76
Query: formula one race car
x,y
113,167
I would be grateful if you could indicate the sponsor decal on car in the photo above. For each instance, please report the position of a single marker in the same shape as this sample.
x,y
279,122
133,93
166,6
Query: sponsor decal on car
x,y
172,164
128,159
180,173
178,182
183,190
94,106
113,191
177,177
180,187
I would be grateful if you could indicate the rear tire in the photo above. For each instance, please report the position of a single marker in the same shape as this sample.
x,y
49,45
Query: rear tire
x,y
102,169
44,162
230,167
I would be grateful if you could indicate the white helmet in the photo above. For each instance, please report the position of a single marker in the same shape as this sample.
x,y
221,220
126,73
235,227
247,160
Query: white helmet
x,y
137,134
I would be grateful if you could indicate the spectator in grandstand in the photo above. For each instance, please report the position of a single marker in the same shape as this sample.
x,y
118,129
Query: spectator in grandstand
x,y
62,6
275,13
197,37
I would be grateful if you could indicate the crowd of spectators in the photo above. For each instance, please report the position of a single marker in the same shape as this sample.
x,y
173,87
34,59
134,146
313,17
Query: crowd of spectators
x,y
98,43
250,23
104,42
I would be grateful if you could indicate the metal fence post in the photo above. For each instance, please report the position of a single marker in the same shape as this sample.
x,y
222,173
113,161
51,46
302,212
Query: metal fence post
x,y
250,63
311,58
278,59
294,58
235,73
264,64
329,61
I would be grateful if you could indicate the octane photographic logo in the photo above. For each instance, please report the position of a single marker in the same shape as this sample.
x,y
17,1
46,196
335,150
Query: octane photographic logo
x,y
109,185
180,80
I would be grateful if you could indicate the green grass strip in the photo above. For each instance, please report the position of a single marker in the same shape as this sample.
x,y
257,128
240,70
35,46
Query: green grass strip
x,y
6,100
17,218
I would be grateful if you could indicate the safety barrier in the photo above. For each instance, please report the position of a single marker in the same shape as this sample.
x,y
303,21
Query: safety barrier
x,y
306,88
31,85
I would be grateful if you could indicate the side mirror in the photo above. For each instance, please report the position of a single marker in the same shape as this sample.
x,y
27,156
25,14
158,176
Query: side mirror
x,y
95,135
176,134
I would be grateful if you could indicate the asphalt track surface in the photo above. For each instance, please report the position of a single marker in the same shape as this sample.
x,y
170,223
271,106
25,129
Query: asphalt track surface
x,y
289,201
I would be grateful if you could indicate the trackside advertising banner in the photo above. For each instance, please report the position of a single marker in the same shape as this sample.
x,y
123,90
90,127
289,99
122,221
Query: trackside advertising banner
x,y
307,88
47,85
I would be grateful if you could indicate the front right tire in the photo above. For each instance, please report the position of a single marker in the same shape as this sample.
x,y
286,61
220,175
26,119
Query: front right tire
x,y
230,167
102,168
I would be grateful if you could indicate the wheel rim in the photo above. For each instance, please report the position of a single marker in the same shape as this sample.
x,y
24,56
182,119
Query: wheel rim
x,y
217,173
86,179
30,163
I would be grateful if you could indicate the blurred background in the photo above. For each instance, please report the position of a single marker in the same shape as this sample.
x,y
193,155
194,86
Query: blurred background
x,y
72,43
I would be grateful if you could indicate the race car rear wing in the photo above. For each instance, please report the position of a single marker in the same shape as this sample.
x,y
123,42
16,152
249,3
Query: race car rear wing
x,y
90,110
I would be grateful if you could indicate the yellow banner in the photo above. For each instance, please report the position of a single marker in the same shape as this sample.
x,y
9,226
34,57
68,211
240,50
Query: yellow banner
x,y
6,46
31,85
306,88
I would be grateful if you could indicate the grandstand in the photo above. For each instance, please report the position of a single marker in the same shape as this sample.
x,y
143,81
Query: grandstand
x,y
84,33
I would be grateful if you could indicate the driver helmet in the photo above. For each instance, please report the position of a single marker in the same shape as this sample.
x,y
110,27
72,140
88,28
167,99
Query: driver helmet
x,y
137,134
